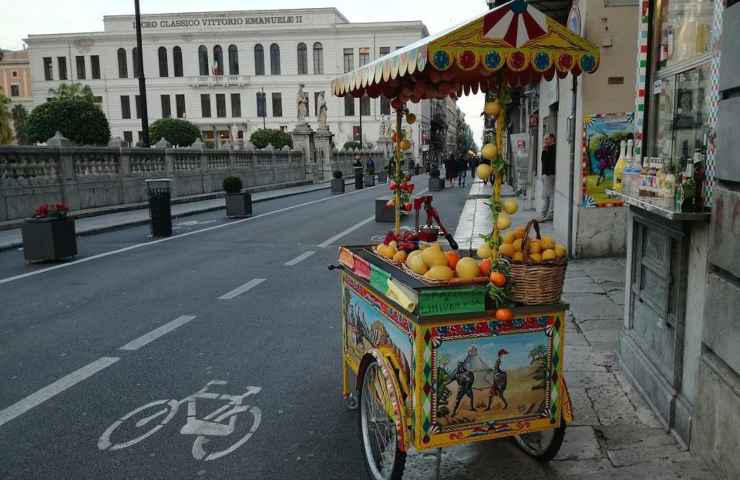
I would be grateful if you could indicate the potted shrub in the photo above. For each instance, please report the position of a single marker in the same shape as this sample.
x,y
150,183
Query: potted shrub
x,y
238,202
50,234
337,183
436,184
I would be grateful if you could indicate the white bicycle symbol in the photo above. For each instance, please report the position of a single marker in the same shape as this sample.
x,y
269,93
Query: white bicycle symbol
x,y
220,423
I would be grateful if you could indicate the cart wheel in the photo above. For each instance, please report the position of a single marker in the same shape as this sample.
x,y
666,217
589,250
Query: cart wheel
x,y
542,445
383,459
351,402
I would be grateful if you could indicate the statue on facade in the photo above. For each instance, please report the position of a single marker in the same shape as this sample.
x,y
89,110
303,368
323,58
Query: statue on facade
x,y
323,111
384,133
302,103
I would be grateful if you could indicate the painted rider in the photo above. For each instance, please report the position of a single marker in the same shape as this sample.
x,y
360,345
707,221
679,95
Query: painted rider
x,y
498,387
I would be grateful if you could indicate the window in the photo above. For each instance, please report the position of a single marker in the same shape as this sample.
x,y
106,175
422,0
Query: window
x,y
15,74
137,101
162,56
61,67
365,105
220,105
259,60
95,67
364,56
166,106
202,60
180,105
48,73
685,30
177,61
218,60
349,106
349,60
80,64
302,59
205,105
384,51
137,62
277,105
274,59
261,104
236,105
233,60
15,91
318,58
140,136
122,63
316,103
128,137
125,107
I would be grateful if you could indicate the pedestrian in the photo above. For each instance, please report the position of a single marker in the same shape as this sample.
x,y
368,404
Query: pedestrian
x,y
462,171
370,166
451,170
473,167
548,178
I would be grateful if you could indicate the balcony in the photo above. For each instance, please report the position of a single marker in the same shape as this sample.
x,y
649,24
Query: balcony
x,y
220,81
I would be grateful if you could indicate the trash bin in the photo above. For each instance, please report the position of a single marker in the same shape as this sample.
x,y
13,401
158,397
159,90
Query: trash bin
x,y
160,213
358,178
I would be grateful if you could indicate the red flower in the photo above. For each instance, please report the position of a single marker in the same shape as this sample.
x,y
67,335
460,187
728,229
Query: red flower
x,y
393,186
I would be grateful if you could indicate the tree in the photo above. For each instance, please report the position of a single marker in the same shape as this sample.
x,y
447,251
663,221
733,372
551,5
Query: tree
x,y
351,145
79,120
72,91
538,366
6,134
174,130
277,138
20,117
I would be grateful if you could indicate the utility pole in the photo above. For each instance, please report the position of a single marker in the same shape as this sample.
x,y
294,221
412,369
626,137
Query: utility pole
x,y
142,80
361,147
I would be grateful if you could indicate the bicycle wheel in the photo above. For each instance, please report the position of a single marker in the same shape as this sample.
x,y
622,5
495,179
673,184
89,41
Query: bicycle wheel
x,y
165,410
544,445
383,458
200,453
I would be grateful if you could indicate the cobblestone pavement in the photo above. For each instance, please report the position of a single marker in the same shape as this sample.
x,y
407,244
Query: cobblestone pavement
x,y
615,435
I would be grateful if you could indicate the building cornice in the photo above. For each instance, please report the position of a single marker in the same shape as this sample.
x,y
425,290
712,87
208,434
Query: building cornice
x,y
287,11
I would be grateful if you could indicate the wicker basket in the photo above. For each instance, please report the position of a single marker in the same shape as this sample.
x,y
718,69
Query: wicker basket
x,y
536,284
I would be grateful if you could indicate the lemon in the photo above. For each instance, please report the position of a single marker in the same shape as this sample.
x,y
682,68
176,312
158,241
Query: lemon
x,y
510,237
518,257
416,264
518,244
560,251
440,272
507,250
511,206
484,171
399,257
434,256
535,258
503,221
489,151
484,251
492,109
535,246
548,243
467,268
548,254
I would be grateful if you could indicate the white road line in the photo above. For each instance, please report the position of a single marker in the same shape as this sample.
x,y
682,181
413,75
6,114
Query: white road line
x,y
174,237
299,259
351,229
54,389
158,332
243,289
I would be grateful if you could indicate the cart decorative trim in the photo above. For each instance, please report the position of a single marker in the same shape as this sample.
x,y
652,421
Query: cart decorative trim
x,y
462,59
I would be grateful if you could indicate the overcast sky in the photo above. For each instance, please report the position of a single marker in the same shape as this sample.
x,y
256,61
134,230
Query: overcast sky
x,y
19,19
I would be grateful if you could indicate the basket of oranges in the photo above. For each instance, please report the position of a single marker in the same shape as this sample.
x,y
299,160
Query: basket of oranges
x,y
537,266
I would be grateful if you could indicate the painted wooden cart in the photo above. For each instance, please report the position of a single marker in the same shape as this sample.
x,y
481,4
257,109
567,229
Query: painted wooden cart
x,y
432,365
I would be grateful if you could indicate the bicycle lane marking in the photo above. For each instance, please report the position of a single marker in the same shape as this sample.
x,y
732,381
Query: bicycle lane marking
x,y
53,389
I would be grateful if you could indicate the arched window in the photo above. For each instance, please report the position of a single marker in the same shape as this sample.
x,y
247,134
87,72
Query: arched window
x,y
122,63
259,60
177,61
136,59
218,60
274,59
202,60
233,60
162,54
318,58
302,59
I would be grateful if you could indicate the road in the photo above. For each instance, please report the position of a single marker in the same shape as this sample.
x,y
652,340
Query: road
x,y
246,303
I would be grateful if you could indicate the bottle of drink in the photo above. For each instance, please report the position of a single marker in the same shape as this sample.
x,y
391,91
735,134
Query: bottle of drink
x,y
619,167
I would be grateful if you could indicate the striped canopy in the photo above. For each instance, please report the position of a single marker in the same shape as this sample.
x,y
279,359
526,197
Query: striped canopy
x,y
514,39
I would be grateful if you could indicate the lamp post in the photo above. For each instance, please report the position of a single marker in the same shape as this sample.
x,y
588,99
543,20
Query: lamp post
x,y
264,109
142,80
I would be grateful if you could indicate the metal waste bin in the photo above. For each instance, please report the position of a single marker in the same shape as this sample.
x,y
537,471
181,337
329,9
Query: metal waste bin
x,y
358,178
159,193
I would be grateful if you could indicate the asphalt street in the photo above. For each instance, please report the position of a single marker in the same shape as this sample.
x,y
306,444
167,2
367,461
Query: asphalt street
x,y
246,309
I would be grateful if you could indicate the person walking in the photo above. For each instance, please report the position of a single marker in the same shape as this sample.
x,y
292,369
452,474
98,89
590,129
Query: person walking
x,y
450,170
548,178
462,171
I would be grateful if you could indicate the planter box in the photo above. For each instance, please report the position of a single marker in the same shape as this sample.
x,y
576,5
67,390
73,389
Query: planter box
x,y
436,184
48,239
337,186
369,180
238,205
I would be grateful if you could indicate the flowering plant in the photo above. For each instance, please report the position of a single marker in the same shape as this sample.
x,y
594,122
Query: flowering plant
x,y
56,211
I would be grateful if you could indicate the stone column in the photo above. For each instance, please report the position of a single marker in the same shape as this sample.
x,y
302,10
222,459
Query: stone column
x,y
303,140
323,152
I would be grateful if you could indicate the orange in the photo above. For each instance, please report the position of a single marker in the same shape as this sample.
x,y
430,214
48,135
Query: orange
x,y
518,257
498,279
535,258
452,259
518,245
485,266
507,250
504,315
520,232
535,246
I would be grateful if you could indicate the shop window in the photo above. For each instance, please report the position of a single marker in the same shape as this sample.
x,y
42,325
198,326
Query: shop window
x,y
685,30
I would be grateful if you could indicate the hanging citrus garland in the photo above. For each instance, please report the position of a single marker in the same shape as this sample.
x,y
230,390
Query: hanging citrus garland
x,y
401,184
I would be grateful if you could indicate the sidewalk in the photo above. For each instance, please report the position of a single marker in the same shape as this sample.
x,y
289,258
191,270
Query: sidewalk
x,y
86,225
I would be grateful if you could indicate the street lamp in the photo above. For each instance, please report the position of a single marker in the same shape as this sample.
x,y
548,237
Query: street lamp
x,y
264,109
142,81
